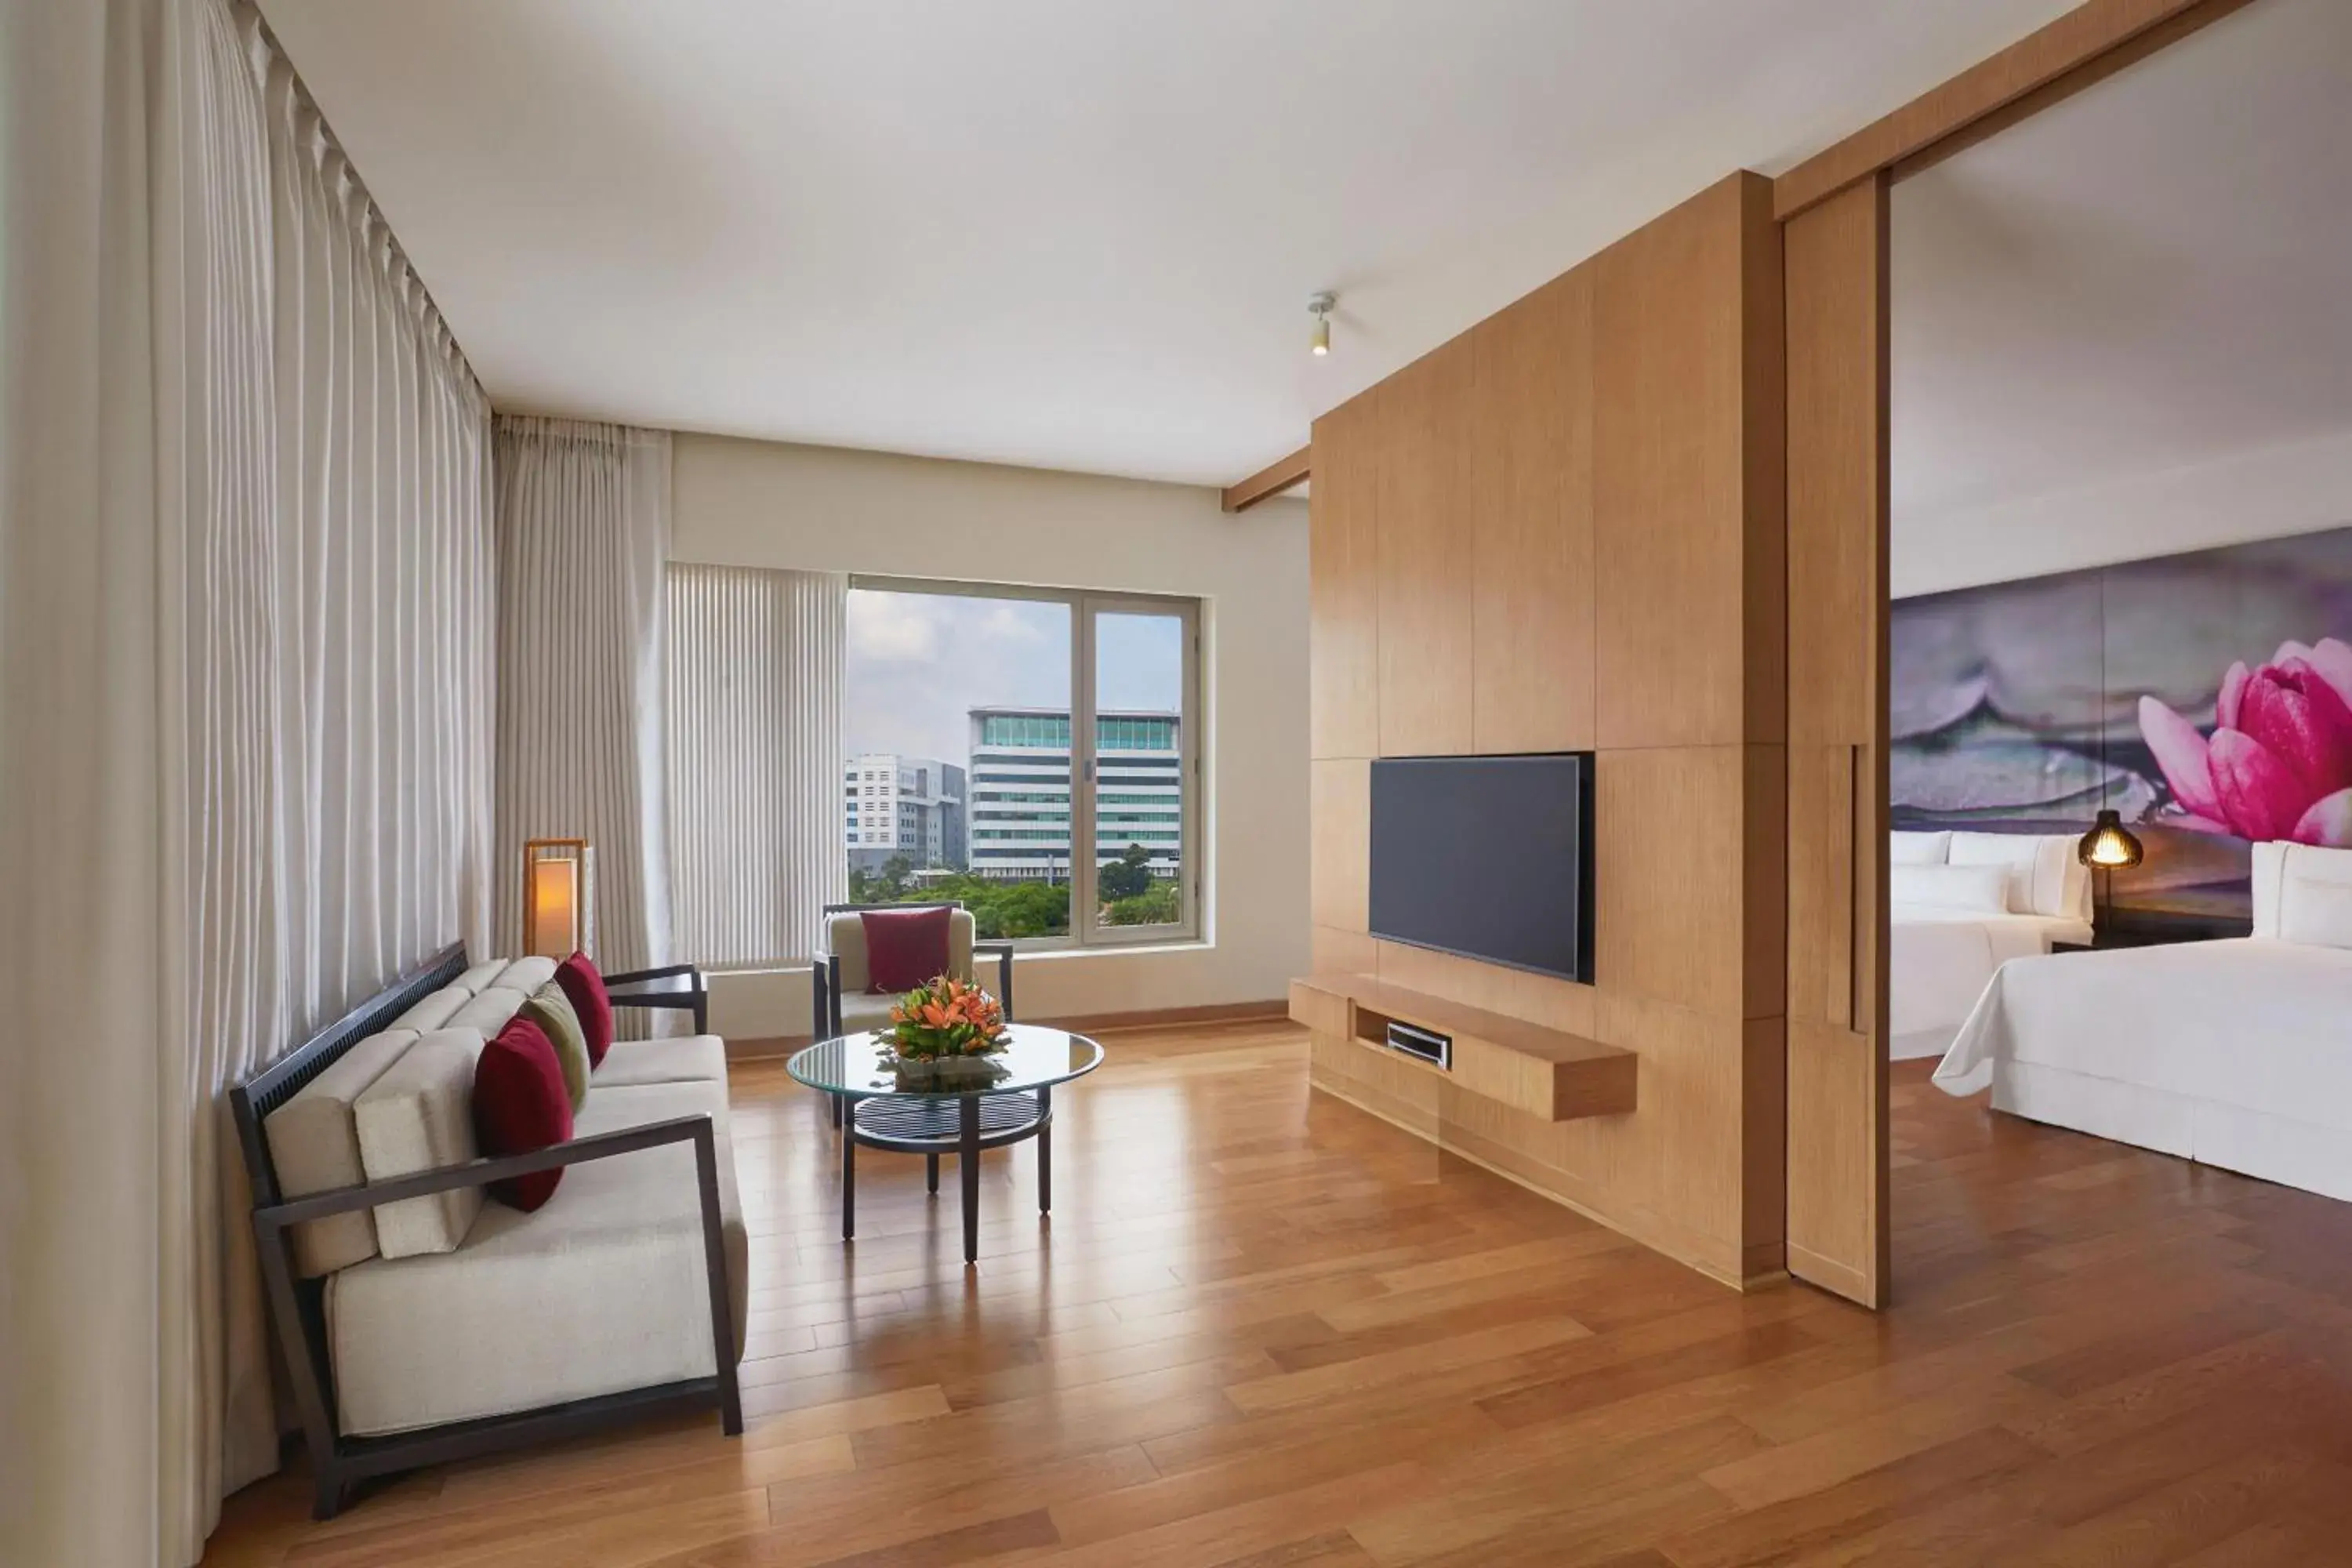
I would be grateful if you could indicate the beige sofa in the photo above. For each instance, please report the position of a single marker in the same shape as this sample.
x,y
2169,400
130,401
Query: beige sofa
x,y
424,1321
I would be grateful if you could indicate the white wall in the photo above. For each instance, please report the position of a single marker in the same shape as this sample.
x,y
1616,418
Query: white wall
x,y
753,503
2268,493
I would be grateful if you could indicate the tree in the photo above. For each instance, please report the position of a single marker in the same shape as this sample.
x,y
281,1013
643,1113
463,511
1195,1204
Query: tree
x,y
1128,876
892,885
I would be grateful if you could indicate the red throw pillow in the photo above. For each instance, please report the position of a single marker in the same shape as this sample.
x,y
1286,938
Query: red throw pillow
x,y
585,989
520,1106
903,948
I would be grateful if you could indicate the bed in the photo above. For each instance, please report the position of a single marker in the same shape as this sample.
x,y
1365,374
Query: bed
x,y
2236,1053
1961,905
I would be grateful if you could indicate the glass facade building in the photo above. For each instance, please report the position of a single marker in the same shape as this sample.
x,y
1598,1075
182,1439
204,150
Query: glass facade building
x,y
1020,791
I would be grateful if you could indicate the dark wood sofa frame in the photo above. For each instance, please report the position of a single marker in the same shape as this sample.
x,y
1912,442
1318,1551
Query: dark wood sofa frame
x,y
296,1306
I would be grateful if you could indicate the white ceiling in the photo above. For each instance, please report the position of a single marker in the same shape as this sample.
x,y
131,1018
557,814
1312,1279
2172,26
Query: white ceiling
x,y
2155,274
1066,232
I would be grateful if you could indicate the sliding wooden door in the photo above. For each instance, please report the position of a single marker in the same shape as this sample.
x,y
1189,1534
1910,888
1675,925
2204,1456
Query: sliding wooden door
x,y
1835,258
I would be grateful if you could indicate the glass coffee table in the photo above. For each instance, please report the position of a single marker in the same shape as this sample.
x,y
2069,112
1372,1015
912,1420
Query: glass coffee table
x,y
954,1114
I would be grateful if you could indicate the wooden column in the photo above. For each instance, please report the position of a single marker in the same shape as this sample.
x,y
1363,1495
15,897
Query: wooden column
x,y
1836,270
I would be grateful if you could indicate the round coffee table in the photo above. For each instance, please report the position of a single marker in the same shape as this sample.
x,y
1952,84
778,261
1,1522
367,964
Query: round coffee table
x,y
958,1115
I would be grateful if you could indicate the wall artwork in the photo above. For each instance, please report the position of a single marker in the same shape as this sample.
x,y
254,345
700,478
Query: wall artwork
x,y
2218,682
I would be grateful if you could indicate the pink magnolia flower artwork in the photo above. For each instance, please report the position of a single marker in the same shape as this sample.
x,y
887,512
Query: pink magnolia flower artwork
x,y
2279,762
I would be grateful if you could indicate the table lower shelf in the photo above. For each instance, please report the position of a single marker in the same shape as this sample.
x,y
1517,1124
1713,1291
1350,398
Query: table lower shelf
x,y
935,1126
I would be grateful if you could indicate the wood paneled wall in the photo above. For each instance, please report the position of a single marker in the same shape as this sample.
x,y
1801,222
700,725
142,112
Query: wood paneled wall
x,y
1565,531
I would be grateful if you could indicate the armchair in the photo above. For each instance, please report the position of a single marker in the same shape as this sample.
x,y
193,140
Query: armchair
x,y
838,978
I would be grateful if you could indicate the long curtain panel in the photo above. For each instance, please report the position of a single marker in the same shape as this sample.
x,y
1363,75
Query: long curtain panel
x,y
756,661
583,534
245,707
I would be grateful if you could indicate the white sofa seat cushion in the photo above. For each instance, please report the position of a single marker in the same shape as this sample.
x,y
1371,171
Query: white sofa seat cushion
x,y
602,1289
314,1146
697,1058
419,1116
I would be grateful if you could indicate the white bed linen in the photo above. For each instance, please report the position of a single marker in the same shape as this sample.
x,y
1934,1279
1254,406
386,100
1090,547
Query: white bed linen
x,y
2236,1053
1939,961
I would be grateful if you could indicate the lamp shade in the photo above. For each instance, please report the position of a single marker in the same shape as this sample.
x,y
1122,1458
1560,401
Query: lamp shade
x,y
2109,846
559,897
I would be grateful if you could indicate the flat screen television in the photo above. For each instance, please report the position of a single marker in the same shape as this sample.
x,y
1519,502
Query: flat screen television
x,y
1486,856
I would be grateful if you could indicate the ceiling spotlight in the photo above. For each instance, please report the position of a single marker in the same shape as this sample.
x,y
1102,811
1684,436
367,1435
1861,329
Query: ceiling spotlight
x,y
1319,306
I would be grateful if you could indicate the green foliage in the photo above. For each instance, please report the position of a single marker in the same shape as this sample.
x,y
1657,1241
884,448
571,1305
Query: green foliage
x,y
1128,876
1129,894
1155,906
1000,910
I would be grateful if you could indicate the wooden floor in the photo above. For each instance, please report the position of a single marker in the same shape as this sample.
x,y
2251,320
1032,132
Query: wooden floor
x,y
1267,1330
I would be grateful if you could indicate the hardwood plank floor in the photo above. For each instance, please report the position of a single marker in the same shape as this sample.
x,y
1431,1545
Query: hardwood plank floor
x,y
1264,1329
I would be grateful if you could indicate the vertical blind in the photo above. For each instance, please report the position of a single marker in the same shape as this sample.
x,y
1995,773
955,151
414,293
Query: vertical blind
x,y
755,820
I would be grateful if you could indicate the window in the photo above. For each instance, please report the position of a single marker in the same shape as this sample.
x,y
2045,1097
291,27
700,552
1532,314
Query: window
x,y
1049,830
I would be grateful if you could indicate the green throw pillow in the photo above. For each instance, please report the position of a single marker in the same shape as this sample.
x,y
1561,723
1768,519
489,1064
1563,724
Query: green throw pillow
x,y
551,1010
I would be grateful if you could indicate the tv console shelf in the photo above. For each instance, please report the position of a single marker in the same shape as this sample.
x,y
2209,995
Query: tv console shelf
x,y
1546,1073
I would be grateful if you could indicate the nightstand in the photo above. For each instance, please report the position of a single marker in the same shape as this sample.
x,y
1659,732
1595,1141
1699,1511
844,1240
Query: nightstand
x,y
2154,928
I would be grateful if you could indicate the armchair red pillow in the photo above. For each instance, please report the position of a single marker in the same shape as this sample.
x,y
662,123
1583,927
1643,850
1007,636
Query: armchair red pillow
x,y
520,1106
584,988
903,948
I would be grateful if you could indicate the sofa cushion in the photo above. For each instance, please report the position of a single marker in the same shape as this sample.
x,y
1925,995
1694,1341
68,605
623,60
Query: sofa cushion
x,y
314,1146
487,1013
584,985
434,1012
552,1011
603,1289
861,1011
520,1106
482,976
903,948
698,1058
417,1117
526,974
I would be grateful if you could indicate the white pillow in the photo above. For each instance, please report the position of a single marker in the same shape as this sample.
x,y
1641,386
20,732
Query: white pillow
x,y
2045,877
2303,894
1980,890
1918,848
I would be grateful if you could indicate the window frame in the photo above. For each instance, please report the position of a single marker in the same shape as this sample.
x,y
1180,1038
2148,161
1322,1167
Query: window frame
x,y
1085,606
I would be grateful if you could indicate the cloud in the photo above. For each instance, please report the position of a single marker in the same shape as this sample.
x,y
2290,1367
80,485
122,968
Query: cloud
x,y
1012,622
881,629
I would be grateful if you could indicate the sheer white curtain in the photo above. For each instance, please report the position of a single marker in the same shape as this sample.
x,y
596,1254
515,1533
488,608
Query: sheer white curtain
x,y
755,691
244,717
583,534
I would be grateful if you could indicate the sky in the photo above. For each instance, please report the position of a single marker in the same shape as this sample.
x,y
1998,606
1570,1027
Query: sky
x,y
920,662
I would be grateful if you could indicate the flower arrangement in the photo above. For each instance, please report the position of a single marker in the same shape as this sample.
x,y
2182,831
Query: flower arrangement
x,y
2278,763
942,1020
